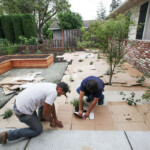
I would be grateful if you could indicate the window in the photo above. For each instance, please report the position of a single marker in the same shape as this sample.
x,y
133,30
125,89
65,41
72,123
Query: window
x,y
142,19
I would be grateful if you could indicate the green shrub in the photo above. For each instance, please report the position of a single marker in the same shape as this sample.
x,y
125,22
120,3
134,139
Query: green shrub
x,y
4,42
9,50
79,70
130,100
80,60
38,52
7,27
146,95
71,79
7,114
91,63
140,79
33,41
23,40
17,25
75,103
29,27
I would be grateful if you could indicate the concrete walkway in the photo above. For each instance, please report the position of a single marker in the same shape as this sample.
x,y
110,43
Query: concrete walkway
x,y
83,140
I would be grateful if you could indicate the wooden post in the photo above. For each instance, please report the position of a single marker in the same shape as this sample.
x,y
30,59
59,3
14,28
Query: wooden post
x,y
63,45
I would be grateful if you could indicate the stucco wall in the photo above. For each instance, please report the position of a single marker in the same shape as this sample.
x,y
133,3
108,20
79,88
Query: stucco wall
x,y
134,17
138,54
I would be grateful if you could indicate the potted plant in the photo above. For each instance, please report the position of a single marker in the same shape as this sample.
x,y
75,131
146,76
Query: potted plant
x,y
75,103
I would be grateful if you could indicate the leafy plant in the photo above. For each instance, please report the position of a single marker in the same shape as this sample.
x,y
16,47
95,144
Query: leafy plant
x,y
80,60
130,100
32,41
91,63
140,79
98,56
4,42
146,95
71,79
75,103
79,70
109,37
23,40
38,52
7,114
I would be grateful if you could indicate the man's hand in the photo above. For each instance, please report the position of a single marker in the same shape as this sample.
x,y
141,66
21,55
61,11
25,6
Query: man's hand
x,y
52,124
80,113
59,123
86,115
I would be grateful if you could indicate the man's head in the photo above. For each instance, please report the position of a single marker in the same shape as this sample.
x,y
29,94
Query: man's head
x,y
62,88
92,86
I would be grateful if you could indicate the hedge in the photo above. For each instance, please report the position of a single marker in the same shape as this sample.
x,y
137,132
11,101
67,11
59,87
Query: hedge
x,y
1,30
17,26
8,28
29,27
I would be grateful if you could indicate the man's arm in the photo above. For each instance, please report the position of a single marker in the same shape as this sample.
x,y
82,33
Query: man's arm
x,y
91,107
47,111
81,103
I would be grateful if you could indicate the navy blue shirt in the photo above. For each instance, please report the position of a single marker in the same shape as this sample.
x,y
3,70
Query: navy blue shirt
x,y
97,93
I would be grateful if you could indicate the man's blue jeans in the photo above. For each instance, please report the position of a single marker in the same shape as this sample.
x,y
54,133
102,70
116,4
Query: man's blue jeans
x,y
35,127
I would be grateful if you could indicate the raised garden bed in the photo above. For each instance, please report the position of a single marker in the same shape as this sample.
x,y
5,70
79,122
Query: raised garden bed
x,y
25,61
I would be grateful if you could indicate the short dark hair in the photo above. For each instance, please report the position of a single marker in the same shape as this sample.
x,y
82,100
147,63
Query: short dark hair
x,y
92,85
64,86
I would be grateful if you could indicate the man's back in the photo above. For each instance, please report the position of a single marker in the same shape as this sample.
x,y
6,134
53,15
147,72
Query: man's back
x,y
34,96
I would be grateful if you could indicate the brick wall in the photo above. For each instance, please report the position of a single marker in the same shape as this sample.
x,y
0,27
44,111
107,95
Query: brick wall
x,y
138,54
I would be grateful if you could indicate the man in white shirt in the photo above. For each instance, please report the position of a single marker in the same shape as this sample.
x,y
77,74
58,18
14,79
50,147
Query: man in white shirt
x,y
37,95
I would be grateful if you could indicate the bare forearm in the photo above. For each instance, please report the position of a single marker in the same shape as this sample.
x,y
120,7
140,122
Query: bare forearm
x,y
53,111
81,100
92,105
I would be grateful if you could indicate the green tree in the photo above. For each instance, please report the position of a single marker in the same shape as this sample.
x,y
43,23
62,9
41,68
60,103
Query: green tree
x,y
110,36
101,12
70,20
114,4
46,32
43,10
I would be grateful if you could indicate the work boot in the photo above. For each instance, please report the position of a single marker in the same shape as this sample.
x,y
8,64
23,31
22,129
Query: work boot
x,y
3,137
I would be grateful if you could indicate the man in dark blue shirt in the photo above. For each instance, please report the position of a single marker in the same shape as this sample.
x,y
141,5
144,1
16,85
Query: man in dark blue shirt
x,y
92,87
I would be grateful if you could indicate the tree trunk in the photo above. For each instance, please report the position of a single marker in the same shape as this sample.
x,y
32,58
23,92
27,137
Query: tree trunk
x,y
39,34
111,73
110,77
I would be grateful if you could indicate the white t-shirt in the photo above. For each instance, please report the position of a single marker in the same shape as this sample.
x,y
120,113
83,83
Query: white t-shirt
x,y
34,96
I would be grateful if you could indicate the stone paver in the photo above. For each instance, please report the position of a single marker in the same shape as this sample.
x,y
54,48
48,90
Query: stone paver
x,y
139,140
78,140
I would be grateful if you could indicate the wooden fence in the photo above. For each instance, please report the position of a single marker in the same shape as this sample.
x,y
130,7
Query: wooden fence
x,y
68,41
69,38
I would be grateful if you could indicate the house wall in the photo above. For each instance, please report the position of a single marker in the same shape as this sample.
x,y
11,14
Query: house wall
x,y
134,17
138,54
57,35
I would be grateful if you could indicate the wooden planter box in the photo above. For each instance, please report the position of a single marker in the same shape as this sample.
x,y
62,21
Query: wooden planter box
x,y
27,61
